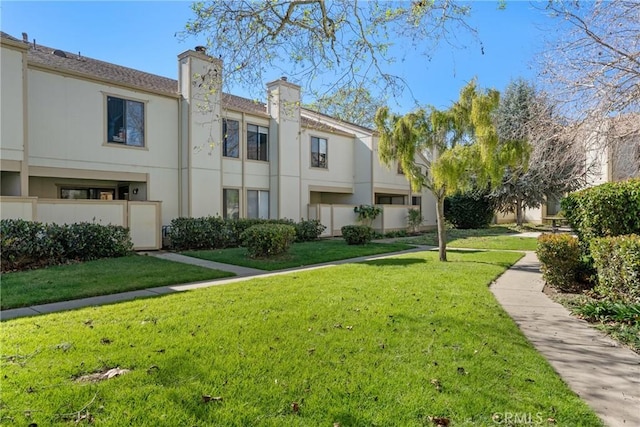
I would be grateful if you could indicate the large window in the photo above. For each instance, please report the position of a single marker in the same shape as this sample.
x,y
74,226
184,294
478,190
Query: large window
x,y
257,143
125,121
318,152
389,199
87,193
231,203
230,138
257,204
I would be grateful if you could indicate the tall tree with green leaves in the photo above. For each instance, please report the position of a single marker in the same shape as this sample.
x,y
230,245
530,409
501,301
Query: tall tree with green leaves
x,y
460,143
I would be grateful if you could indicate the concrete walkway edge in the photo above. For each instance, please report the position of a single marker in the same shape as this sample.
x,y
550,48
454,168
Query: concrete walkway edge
x,y
603,373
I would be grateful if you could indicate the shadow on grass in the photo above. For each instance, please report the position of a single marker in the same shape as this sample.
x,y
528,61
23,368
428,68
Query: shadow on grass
x,y
402,262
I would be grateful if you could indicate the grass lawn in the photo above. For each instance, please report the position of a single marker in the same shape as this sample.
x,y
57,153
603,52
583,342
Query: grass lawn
x,y
100,277
389,342
495,237
300,254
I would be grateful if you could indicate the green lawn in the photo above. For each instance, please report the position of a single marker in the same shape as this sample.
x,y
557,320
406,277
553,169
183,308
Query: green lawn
x,y
101,277
495,237
390,342
300,254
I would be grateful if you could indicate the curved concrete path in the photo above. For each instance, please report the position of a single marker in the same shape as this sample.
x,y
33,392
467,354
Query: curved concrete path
x,y
602,373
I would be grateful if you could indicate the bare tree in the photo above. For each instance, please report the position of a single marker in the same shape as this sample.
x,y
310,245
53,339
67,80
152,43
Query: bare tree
x,y
356,105
324,46
556,161
593,62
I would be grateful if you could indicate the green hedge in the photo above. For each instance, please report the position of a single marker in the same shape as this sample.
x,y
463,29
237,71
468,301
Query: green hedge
x,y
610,209
265,240
559,256
308,230
28,244
357,234
617,261
210,232
468,210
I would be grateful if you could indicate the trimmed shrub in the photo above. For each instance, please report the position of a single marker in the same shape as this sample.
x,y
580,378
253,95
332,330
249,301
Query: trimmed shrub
x,y
610,209
357,234
27,244
265,240
617,261
308,230
199,233
468,210
559,255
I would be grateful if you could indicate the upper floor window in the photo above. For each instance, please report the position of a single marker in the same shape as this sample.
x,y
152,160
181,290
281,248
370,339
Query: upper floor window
x,y
318,152
125,121
230,138
257,143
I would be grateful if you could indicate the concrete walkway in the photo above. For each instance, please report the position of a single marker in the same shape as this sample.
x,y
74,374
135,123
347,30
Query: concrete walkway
x,y
601,372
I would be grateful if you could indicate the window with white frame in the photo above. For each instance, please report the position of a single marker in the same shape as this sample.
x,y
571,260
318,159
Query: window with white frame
x,y
318,152
257,143
125,121
230,203
230,138
257,204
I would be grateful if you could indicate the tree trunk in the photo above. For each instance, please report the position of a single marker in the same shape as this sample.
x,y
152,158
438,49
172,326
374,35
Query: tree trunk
x,y
519,216
442,229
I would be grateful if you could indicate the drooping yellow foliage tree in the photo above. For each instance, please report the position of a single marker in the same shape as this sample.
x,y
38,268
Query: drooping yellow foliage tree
x,y
460,143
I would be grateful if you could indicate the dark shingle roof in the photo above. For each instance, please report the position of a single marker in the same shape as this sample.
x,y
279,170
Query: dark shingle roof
x,y
67,61
71,62
8,36
238,103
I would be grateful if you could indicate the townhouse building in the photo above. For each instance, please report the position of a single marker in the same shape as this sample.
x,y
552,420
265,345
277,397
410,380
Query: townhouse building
x,y
87,140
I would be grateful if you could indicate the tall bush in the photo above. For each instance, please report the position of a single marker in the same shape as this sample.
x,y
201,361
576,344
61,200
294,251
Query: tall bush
x,y
469,210
559,256
617,261
367,213
610,209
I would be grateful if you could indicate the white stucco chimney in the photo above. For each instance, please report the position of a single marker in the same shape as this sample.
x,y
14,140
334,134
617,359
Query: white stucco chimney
x,y
283,105
200,86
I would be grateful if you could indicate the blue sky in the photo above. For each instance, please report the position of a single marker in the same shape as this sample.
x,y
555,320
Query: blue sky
x,y
141,35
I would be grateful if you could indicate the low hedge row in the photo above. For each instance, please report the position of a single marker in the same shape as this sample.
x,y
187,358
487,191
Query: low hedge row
x,y
29,244
617,261
218,233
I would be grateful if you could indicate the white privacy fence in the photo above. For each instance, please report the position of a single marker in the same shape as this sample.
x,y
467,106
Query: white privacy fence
x,y
334,217
142,218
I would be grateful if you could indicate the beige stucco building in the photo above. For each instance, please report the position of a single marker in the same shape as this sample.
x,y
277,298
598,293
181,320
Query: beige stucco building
x,y
80,136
